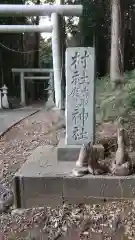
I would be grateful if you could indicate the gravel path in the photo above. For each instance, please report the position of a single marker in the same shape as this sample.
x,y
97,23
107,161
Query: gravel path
x,y
9,118
107,219
20,141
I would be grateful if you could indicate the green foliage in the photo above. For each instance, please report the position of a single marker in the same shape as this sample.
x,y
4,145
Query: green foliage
x,y
9,41
45,53
112,104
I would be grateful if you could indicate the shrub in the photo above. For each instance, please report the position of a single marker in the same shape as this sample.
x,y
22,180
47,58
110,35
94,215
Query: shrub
x,y
112,104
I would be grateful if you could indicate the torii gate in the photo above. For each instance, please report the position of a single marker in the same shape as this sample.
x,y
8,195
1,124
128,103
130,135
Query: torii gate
x,y
55,11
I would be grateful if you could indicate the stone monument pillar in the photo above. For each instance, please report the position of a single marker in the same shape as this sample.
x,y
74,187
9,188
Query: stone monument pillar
x,y
80,102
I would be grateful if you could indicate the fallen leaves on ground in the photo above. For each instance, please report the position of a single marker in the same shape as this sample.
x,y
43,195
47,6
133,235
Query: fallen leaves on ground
x,y
71,222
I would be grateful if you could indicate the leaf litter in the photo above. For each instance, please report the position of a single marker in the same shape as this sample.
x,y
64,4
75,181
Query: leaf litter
x,y
92,221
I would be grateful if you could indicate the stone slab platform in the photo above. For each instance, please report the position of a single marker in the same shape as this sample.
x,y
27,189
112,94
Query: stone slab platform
x,y
67,152
42,181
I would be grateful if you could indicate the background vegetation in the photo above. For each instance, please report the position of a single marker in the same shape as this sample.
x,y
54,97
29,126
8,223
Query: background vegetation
x,y
108,25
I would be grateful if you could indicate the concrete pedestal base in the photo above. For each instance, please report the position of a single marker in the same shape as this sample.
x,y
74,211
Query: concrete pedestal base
x,y
42,181
70,153
67,152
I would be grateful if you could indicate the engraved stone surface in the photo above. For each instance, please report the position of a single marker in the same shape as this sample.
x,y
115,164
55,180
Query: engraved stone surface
x,y
80,114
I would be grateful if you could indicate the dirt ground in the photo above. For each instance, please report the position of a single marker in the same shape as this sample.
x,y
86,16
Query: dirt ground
x,y
39,223
19,142
45,127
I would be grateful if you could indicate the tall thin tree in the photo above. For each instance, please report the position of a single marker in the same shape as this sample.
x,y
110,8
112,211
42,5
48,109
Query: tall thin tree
x,y
117,43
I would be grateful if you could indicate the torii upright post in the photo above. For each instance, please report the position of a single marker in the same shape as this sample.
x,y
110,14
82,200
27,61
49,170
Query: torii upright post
x,y
57,61
58,50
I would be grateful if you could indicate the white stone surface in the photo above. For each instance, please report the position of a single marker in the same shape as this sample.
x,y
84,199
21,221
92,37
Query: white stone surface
x,y
5,102
80,100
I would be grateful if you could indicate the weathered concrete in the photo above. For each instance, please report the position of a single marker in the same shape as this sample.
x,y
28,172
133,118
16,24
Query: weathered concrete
x,y
80,95
9,118
67,152
44,181
71,152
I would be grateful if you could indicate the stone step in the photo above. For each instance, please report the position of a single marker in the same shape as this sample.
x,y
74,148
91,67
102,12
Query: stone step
x,y
42,181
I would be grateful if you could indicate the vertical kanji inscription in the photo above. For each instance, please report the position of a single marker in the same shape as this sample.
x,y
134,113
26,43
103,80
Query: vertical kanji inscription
x,y
79,95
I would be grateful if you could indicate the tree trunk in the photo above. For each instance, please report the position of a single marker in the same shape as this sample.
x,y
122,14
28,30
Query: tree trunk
x,y
117,42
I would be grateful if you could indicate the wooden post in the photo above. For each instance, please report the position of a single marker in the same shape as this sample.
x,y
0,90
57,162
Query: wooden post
x,y
22,82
